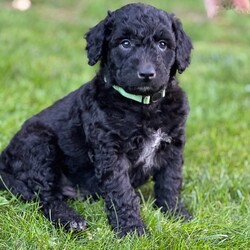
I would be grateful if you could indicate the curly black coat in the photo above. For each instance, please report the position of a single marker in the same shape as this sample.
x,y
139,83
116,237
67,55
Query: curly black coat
x,y
96,141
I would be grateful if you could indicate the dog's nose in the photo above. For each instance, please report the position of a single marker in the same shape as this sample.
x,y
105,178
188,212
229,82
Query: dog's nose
x,y
147,72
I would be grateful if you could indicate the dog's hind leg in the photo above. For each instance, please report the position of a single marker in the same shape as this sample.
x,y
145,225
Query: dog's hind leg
x,y
31,167
8,182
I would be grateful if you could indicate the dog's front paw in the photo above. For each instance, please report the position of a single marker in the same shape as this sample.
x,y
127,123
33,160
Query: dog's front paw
x,y
184,214
181,213
76,226
138,229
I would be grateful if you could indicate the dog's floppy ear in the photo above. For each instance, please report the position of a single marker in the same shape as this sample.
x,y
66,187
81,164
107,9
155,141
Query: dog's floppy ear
x,y
95,41
183,46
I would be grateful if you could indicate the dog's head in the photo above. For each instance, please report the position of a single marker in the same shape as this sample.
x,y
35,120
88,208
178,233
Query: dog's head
x,y
140,48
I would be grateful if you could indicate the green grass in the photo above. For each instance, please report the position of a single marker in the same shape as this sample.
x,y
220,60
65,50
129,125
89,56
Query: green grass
x,y
43,59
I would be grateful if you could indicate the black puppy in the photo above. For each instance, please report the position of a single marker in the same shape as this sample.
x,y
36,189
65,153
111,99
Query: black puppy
x,y
113,133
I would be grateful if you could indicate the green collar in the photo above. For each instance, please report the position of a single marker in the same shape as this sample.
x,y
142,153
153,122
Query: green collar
x,y
145,99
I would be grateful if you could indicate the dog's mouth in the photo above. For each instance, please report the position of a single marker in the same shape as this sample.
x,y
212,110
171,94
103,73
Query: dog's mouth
x,y
144,90
141,90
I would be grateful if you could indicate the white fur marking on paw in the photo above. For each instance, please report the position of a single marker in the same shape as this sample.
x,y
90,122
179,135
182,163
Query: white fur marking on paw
x,y
78,226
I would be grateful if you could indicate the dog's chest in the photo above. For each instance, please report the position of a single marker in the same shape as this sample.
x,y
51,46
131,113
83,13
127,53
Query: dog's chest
x,y
149,149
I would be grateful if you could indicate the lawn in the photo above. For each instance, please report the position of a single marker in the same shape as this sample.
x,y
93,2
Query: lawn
x,y
43,58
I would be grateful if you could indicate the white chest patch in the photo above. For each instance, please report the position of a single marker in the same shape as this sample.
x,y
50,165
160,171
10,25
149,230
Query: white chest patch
x,y
150,147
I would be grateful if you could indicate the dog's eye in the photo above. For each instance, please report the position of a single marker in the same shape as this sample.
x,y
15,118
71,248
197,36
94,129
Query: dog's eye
x,y
126,44
162,45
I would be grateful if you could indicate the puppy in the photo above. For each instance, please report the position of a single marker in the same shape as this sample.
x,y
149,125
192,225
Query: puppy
x,y
112,134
